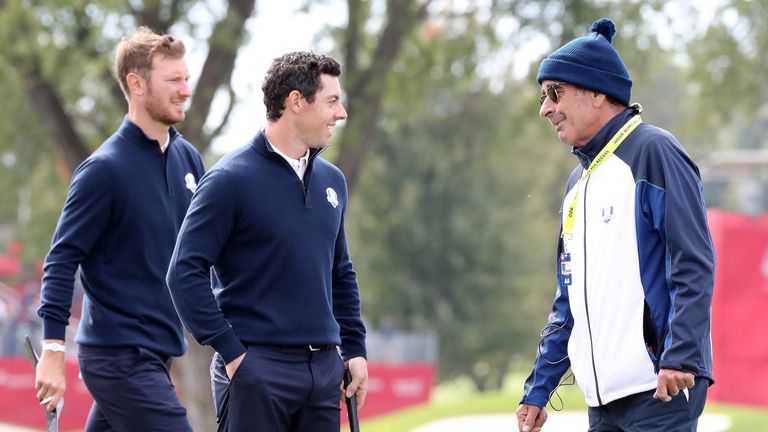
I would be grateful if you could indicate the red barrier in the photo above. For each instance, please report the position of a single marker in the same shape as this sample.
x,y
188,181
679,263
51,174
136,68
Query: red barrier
x,y
20,406
740,308
390,387
394,386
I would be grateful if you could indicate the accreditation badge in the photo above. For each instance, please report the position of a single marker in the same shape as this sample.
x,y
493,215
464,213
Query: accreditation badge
x,y
565,269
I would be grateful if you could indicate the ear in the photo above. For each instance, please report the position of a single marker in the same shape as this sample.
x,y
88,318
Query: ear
x,y
598,99
294,101
137,85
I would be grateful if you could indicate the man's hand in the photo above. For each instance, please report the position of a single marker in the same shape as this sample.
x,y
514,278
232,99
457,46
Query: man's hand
x,y
232,366
671,382
50,378
358,368
530,418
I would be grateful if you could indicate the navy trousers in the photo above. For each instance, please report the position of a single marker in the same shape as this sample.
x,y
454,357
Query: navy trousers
x,y
642,413
132,391
279,389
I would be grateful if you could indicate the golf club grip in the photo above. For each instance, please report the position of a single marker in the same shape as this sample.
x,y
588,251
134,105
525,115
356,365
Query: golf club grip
x,y
354,421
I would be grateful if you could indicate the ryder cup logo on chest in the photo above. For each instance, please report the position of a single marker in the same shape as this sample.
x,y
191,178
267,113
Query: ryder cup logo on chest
x,y
332,198
190,183
607,214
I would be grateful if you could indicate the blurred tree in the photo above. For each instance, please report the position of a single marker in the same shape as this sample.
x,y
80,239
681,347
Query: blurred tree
x,y
367,58
58,78
726,85
448,231
454,231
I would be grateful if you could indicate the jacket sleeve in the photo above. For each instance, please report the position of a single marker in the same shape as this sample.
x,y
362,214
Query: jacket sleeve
x,y
681,219
206,227
85,216
346,298
552,357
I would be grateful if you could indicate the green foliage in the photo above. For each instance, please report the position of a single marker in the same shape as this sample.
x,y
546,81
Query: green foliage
x,y
66,43
47,38
729,61
451,210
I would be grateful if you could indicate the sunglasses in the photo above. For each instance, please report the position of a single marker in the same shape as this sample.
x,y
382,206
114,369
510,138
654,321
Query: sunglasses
x,y
551,92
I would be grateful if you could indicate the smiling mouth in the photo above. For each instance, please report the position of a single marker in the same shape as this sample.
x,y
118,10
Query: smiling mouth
x,y
556,121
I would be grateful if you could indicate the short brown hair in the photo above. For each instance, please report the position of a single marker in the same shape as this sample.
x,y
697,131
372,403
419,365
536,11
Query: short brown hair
x,y
299,71
135,53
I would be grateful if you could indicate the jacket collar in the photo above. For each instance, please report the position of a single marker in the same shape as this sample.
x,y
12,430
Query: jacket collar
x,y
590,150
134,134
261,145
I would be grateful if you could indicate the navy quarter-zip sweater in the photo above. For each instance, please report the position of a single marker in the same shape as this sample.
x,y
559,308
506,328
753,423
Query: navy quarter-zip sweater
x,y
282,273
119,224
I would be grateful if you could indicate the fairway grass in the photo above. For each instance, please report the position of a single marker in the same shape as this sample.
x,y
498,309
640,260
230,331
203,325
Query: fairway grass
x,y
458,399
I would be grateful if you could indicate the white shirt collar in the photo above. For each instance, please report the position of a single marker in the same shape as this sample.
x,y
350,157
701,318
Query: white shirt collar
x,y
298,165
164,147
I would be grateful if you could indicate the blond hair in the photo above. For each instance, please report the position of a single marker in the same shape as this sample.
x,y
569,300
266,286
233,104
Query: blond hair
x,y
135,54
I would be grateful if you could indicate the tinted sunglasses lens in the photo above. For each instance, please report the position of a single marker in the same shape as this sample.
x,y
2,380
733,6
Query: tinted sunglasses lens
x,y
552,92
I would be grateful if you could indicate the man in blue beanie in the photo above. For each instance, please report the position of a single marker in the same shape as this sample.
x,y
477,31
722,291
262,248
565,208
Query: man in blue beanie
x,y
631,314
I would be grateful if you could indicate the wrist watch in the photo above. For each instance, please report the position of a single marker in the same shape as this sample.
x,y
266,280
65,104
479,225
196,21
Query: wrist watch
x,y
54,346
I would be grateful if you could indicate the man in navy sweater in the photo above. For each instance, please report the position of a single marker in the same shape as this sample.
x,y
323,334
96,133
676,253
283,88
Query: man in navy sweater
x,y
269,219
118,226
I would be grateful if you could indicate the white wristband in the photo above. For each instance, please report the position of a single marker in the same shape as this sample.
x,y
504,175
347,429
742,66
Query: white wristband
x,y
54,346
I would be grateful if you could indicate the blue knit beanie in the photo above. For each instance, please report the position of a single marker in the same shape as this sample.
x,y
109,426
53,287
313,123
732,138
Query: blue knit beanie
x,y
590,62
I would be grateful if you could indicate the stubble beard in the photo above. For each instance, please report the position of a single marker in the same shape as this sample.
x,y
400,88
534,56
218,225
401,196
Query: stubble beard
x,y
160,113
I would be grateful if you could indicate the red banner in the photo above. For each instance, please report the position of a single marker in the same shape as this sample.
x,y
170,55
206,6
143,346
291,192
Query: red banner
x,y
390,387
20,405
394,386
740,308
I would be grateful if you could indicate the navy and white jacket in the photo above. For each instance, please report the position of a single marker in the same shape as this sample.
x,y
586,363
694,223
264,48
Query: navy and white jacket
x,y
282,273
119,224
642,263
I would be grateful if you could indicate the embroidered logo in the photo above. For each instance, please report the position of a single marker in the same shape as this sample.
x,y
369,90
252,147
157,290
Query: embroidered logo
x,y
190,183
607,214
332,198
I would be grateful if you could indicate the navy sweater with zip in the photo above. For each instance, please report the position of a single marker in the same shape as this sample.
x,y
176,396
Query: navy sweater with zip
x,y
282,273
119,224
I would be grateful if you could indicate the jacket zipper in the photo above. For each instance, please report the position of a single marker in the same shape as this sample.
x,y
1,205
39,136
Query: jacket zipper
x,y
586,302
303,184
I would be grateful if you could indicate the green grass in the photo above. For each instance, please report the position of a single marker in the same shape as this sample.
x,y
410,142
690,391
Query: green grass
x,y
458,398
744,419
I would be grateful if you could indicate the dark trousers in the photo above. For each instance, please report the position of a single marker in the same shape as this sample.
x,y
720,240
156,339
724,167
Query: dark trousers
x,y
132,391
279,389
642,413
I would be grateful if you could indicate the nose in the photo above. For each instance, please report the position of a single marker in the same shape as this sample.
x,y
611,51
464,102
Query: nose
x,y
185,90
341,113
547,108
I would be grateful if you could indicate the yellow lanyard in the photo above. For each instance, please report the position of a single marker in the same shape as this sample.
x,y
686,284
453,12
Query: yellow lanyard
x,y
613,144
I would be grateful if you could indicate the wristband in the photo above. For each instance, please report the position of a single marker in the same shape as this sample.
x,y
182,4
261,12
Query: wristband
x,y
54,346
